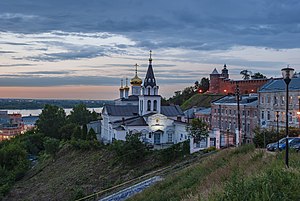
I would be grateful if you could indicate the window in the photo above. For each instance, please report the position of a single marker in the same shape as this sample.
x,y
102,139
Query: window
x,y
229,111
268,99
148,105
155,105
248,113
262,114
291,100
275,100
268,115
262,100
149,91
282,100
154,91
290,117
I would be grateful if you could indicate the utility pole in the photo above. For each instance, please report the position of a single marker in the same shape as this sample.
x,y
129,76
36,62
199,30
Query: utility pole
x,y
238,109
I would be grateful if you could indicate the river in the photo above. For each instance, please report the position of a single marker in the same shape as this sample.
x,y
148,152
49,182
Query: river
x,y
36,112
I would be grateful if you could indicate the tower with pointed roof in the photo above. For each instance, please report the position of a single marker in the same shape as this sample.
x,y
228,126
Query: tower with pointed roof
x,y
149,100
136,83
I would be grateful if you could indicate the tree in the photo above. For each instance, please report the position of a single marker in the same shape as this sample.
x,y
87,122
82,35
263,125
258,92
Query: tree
x,y
91,135
197,129
204,84
258,75
51,146
84,132
76,133
67,131
81,115
51,120
246,74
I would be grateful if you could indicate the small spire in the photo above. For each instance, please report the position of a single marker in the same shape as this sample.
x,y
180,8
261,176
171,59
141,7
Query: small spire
x,y
150,59
121,83
136,66
225,66
126,82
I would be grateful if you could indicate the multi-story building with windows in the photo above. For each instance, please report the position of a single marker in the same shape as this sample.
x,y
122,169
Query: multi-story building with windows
x,y
224,117
272,101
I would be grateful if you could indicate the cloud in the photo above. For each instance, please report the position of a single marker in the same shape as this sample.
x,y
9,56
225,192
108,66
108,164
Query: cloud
x,y
6,52
16,65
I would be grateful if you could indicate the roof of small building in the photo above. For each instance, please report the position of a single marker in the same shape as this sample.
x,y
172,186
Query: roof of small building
x,y
204,111
133,121
172,110
132,110
244,99
122,110
275,85
131,98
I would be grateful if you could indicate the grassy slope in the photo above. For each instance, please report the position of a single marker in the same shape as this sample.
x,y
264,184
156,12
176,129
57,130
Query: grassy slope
x,y
243,174
200,100
75,172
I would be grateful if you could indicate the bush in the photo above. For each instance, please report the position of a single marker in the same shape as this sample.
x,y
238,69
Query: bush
x,y
174,152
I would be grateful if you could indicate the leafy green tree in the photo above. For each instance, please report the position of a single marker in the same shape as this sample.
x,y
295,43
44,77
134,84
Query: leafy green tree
x,y
197,129
84,132
77,133
91,135
204,84
67,131
51,146
51,120
258,75
246,74
81,115
132,150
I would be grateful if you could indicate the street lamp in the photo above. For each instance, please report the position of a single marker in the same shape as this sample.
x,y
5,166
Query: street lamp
x,y
298,113
238,111
277,129
287,74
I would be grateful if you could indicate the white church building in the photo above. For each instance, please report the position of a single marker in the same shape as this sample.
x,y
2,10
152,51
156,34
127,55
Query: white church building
x,y
141,112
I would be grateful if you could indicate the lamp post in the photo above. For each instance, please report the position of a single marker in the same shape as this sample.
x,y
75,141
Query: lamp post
x,y
287,74
298,113
238,109
277,129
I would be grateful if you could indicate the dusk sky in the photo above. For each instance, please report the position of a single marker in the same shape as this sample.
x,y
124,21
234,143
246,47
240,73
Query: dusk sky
x,y
80,49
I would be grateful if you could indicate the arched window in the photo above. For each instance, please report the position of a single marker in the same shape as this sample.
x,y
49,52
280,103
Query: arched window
x,y
149,105
155,105
154,91
149,91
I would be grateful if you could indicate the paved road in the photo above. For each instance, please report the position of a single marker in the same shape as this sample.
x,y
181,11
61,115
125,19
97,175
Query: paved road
x,y
132,190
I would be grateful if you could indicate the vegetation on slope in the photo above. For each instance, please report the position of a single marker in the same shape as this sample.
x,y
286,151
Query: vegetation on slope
x,y
200,100
236,174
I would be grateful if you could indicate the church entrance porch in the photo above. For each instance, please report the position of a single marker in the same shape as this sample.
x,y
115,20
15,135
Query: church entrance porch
x,y
157,137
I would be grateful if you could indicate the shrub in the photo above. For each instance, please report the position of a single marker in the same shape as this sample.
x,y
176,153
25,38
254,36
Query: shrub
x,y
51,146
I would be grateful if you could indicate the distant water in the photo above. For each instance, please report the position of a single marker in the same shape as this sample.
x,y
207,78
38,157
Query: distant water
x,y
36,112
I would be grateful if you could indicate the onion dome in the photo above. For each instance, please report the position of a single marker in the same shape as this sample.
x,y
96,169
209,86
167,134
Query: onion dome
x,y
126,86
136,81
121,88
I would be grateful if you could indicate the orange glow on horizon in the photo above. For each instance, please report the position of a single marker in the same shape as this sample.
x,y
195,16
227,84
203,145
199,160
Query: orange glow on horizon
x,y
61,92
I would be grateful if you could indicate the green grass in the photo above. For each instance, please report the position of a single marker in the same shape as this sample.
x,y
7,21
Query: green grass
x,y
200,100
236,174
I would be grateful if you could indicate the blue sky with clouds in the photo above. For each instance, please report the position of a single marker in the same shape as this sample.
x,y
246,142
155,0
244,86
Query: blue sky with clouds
x,y
61,43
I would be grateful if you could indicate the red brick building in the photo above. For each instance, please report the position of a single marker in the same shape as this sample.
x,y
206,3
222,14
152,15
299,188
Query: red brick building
x,y
221,84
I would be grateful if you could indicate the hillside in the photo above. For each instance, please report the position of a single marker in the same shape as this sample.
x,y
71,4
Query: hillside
x,y
235,174
200,100
76,173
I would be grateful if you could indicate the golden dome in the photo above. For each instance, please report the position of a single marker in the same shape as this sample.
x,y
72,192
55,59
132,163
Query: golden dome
x,y
121,88
136,81
126,87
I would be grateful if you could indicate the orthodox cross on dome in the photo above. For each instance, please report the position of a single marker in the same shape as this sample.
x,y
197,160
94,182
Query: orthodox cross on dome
x,y
136,66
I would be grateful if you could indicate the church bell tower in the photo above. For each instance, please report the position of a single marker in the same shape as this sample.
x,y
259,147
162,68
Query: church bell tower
x,y
149,100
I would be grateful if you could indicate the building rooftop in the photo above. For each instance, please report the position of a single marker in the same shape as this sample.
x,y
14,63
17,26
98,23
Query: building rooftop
x,y
275,85
249,99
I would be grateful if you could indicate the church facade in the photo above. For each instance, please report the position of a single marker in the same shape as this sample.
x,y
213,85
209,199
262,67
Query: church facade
x,y
141,112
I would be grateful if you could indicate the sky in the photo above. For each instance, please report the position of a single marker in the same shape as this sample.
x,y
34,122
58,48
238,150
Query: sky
x,y
78,49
